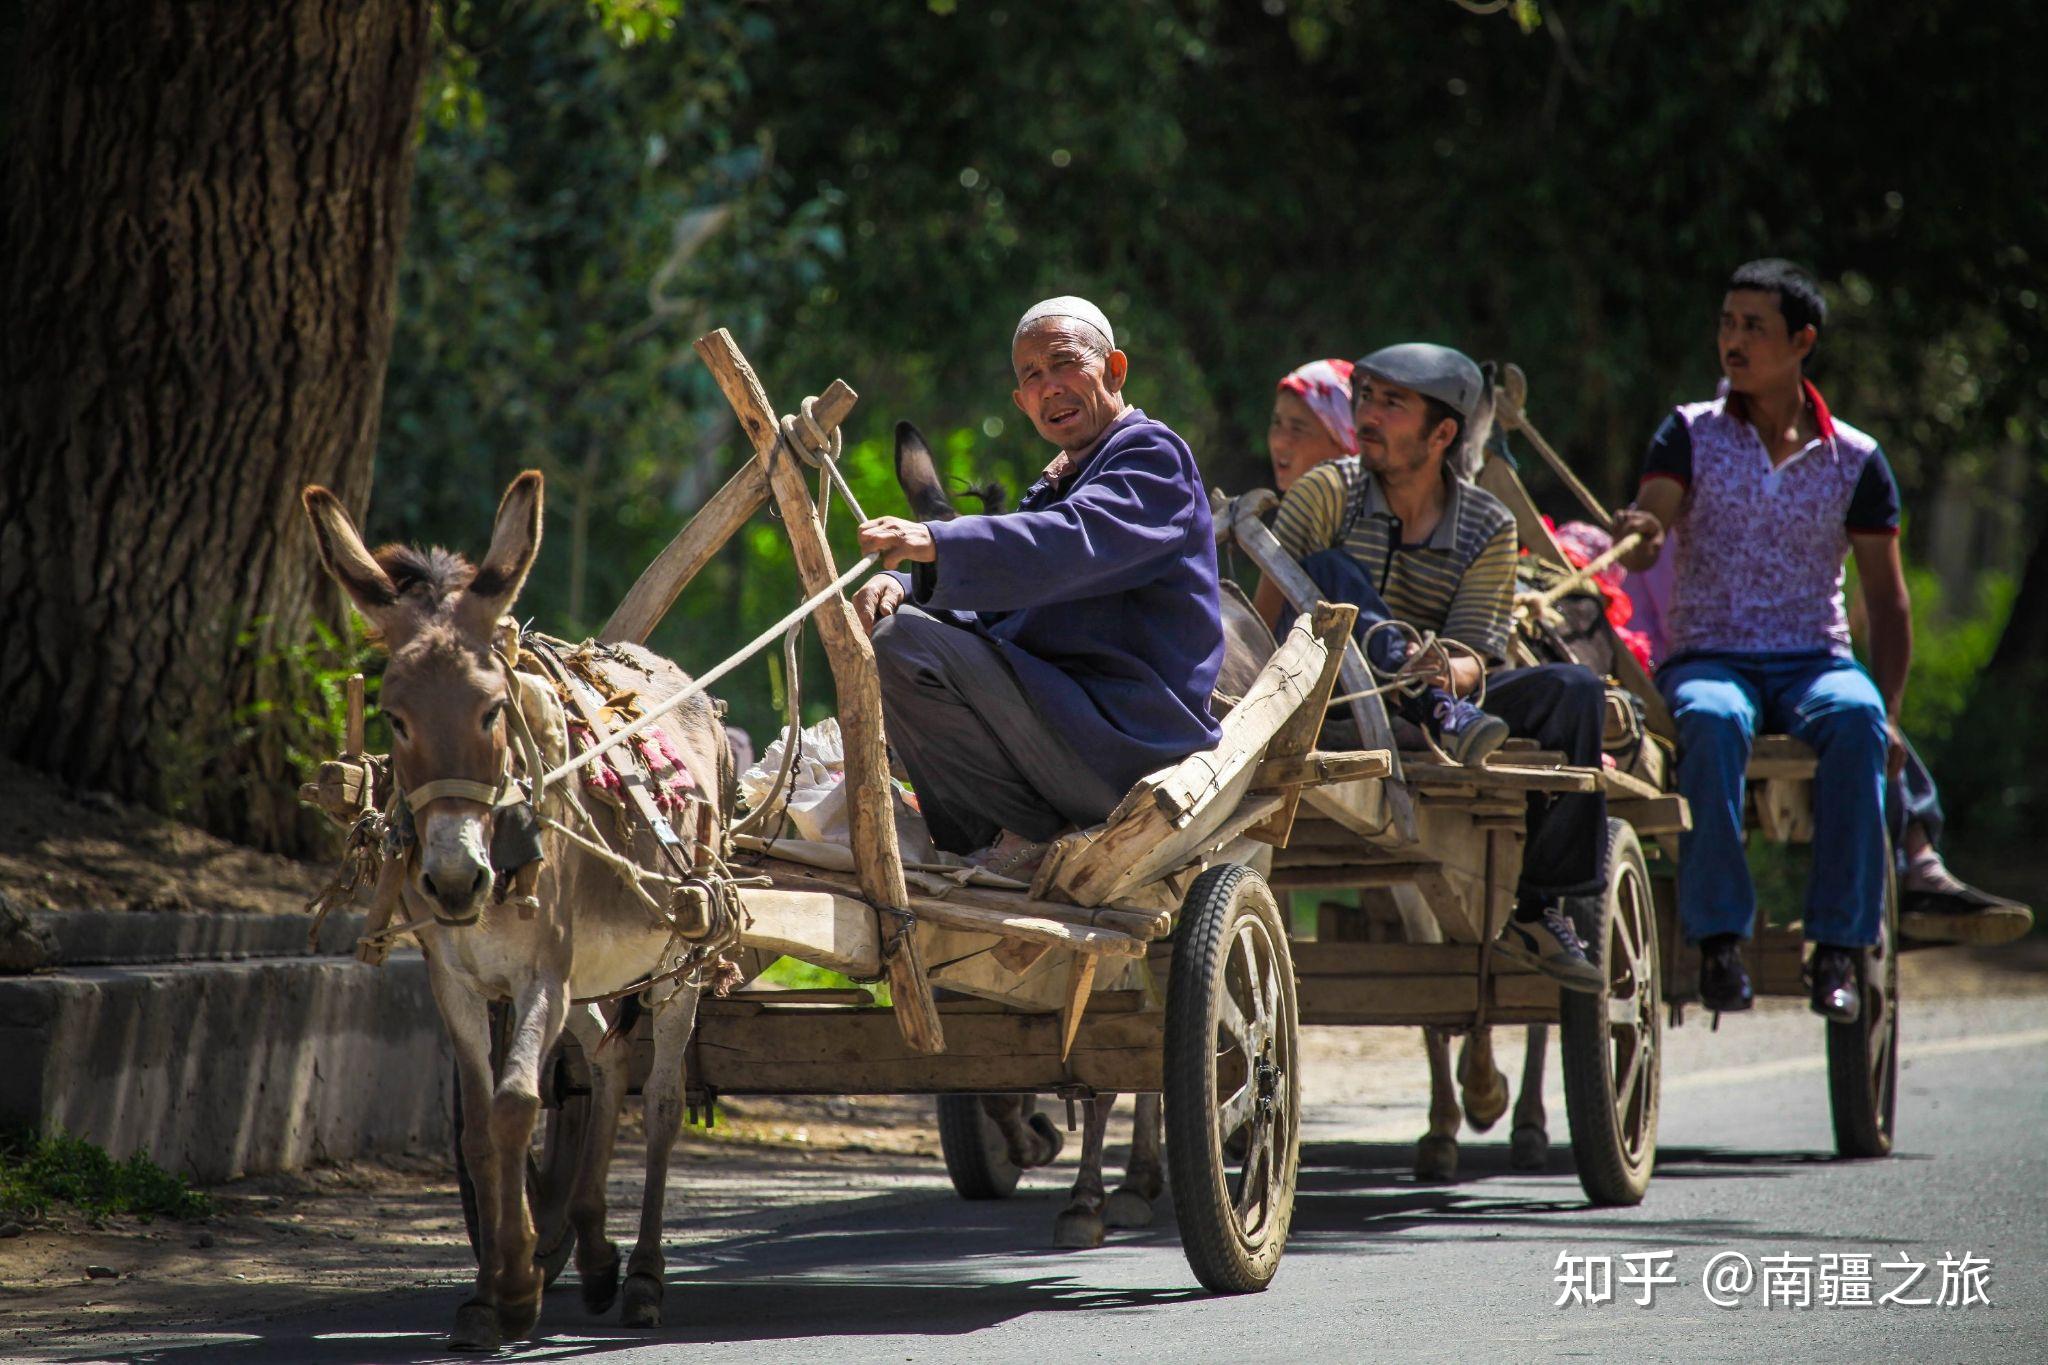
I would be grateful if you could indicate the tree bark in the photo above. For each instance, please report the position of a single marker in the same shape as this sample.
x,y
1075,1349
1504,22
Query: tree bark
x,y
204,206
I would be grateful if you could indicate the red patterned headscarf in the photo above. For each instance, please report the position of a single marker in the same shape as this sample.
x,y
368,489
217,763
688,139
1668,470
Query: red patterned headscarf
x,y
1325,385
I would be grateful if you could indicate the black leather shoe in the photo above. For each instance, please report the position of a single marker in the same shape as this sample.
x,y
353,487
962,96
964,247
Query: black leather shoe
x,y
1724,985
1836,980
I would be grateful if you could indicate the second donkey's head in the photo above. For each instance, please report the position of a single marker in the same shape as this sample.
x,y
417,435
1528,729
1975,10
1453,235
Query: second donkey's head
x,y
444,692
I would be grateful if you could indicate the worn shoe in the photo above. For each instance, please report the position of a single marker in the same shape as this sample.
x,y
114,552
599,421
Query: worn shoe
x,y
1552,947
1724,984
1957,912
1836,977
1465,732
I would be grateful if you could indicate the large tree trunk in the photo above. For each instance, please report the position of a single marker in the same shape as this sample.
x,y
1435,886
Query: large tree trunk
x,y
204,205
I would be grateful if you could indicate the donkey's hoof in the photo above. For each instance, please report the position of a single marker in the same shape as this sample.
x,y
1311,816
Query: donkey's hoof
x,y
1485,1103
601,1283
1529,1148
1052,1140
516,1317
1078,1228
1127,1209
643,1300
1436,1158
476,1328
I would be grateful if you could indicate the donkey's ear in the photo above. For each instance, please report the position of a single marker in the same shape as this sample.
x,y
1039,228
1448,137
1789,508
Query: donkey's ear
x,y
918,474
515,541
348,563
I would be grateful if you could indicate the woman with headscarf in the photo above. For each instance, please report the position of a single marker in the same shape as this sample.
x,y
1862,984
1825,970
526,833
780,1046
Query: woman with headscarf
x,y
1311,420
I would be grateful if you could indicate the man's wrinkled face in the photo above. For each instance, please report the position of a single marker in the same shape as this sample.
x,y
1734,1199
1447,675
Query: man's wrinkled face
x,y
1069,389
1297,440
1759,352
1395,435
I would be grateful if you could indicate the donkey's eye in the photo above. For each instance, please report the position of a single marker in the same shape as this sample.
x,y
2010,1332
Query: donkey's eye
x,y
397,726
491,716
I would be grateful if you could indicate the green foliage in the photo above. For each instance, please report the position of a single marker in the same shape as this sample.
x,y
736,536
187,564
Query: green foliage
x,y
874,192
1951,646
37,1172
309,679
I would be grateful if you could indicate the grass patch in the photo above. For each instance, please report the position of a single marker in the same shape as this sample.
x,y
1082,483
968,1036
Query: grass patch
x,y
36,1172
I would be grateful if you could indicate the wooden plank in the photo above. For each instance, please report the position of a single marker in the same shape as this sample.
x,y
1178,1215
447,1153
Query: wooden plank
x,y
1772,756
1526,758
1292,876
1297,735
1394,959
1269,712
1626,786
1652,815
1784,809
859,686
1369,713
1080,980
988,902
860,1052
1444,776
705,534
828,930
1450,999
1363,809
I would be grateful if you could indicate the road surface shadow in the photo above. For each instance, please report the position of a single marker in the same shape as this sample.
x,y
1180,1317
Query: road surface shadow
x,y
942,1267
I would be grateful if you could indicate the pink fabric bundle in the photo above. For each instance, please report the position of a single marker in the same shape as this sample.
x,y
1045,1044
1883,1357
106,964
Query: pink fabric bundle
x,y
1582,543
1325,385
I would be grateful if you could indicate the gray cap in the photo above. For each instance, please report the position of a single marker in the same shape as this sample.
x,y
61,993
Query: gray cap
x,y
1065,306
1435,371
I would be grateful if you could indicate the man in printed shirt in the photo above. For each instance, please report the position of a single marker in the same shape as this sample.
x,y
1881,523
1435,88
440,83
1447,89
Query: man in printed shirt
x,y
1773,492
1397,531
1035,664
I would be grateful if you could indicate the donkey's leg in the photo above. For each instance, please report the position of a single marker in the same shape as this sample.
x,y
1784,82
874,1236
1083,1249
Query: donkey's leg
x,y
537,1018
1130,1206
1486,1090
1031,1142
468,1019
597,1256
1529,1145
1079,1225
664,1096
1436,1156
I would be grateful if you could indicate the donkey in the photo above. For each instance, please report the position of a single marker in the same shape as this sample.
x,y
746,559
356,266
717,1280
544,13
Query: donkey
x,y
447,695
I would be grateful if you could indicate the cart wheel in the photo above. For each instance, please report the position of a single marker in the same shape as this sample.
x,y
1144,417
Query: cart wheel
x,y
1863,1057
977,1157
550,1170
1232,1081
1611,1042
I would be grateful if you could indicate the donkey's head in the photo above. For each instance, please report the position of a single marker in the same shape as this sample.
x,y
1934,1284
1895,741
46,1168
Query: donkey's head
x,y
443,691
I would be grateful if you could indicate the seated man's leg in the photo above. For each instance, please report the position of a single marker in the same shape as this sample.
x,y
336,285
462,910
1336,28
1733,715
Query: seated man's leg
x,y
1832,704
1563,708
1465,731
979,754
1716,706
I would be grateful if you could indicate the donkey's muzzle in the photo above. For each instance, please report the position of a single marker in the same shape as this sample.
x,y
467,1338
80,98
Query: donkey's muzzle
x,y
457,891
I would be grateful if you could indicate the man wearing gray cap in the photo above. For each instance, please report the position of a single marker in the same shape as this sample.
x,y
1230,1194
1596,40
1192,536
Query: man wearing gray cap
x,y
1035,664
1402,532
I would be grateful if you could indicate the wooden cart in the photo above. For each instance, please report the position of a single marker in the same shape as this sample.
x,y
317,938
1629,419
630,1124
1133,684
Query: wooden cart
x,y
1067,987
1446,843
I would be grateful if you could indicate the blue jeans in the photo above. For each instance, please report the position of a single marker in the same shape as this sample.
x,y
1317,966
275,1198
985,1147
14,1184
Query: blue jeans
x,y
1830,703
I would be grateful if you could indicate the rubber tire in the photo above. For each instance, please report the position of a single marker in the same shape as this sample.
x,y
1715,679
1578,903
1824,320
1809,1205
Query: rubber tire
x,y
1585,1042
562,1148
977,1158
1221,899
1864,1104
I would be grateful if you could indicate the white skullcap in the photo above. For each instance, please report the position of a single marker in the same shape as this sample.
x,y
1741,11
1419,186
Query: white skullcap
x,y
1066,306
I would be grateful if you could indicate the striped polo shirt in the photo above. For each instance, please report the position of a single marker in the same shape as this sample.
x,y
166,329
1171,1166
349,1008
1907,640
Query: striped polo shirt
x,y
1460,582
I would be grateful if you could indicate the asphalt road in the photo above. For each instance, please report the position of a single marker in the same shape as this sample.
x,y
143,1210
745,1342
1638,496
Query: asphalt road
x,y
1380,1267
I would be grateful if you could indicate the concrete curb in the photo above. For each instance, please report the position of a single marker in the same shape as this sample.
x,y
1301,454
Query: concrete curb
x,y
114,937
223,1069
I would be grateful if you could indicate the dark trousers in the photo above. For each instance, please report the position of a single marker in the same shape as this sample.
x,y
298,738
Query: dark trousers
x,y
1560,706
979,754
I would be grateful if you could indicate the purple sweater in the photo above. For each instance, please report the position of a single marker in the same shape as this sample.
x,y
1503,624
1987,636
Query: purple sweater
x,y
1101,592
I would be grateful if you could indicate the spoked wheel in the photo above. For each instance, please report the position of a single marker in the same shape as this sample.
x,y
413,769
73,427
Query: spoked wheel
x,y
1232,1081
1612,1041
977,1157
551,1162
1863,1056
